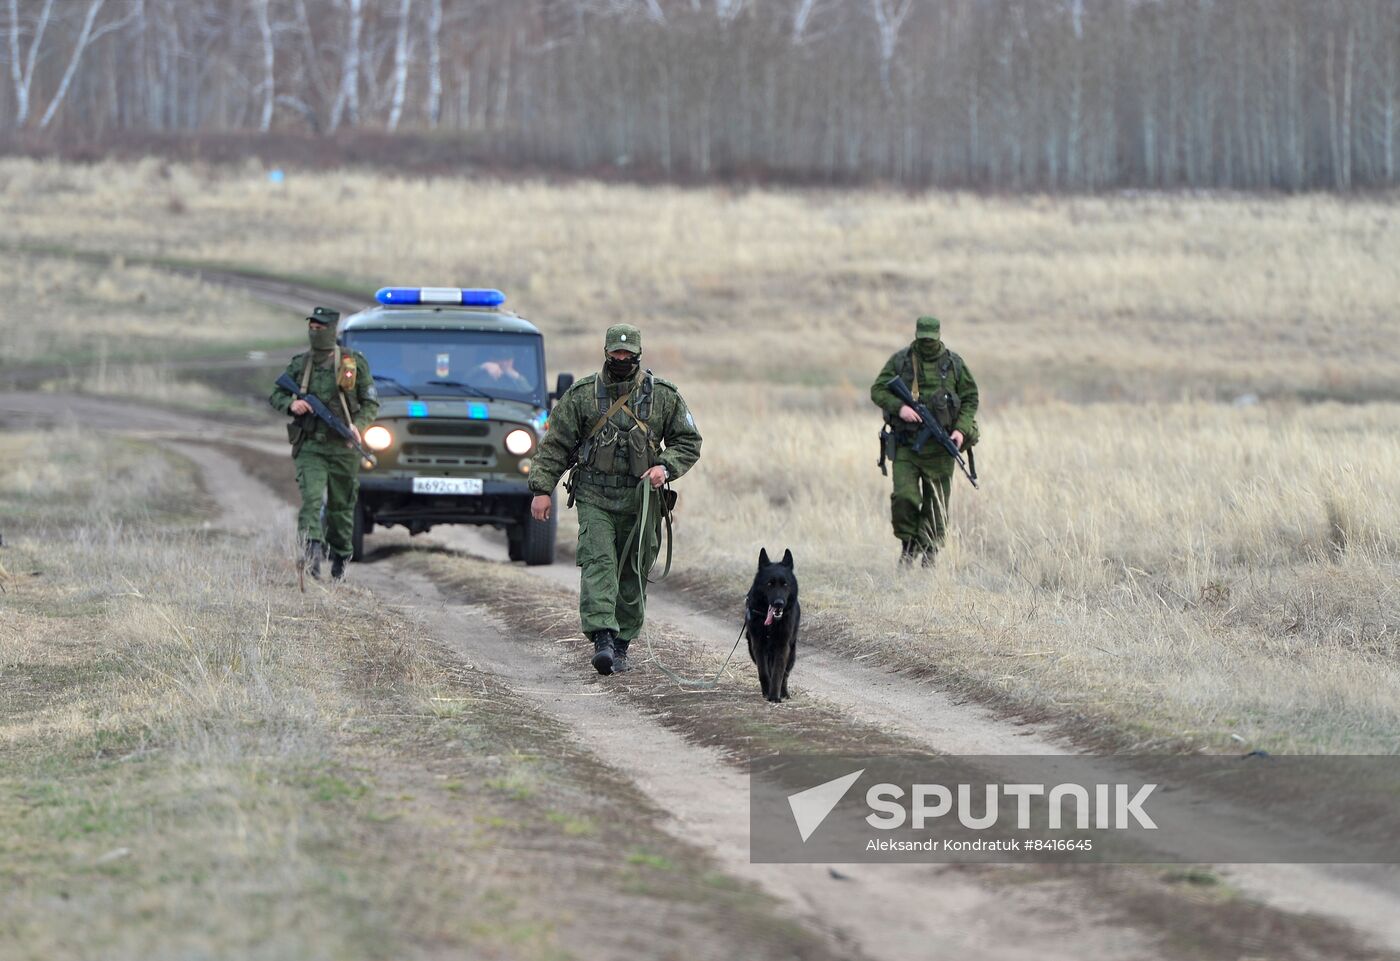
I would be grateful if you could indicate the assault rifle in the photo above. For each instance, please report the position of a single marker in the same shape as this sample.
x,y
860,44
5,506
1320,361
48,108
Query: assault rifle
x,y
324,414
930,428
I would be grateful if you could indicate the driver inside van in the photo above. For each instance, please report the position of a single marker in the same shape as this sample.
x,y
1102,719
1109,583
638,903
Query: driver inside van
x,y
499,371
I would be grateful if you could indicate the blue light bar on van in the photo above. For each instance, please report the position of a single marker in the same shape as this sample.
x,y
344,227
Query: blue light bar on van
x,y
456,296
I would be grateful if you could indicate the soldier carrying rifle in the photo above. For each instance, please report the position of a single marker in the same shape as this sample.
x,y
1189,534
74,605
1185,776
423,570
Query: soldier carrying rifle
x,y
330,395
927,393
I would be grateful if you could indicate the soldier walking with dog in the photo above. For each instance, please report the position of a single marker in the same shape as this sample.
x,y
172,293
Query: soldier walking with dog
x,y
939,382
328,466
626,434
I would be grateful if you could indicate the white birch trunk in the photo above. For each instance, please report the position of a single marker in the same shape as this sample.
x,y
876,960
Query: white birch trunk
x,y
347,98
79,48
269,55
889,16
433,106
801,19
22,67
400,65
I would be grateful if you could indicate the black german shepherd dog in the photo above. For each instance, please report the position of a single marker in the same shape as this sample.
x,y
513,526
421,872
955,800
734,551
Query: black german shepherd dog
x,y
772,619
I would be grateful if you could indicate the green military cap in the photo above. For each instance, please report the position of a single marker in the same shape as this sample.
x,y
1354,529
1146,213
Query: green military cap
x,y
926,326
624,337
324,315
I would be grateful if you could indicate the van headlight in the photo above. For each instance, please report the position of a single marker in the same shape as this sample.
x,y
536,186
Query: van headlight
x,y
519,441
378,438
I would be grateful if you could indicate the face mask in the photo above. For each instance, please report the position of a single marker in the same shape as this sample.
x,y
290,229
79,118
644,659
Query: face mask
x,y
929,349
622,369
323,339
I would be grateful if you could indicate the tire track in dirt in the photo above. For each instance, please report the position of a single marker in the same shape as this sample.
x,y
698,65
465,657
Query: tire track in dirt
x,y
891,912
888,900
907,912
1364,897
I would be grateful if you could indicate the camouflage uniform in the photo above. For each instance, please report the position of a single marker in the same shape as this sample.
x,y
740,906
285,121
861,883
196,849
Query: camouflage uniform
x,y
923,481
328,471
611,463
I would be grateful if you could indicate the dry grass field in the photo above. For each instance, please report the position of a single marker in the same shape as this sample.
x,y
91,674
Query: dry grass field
x,y
1147,559
196,760
60,312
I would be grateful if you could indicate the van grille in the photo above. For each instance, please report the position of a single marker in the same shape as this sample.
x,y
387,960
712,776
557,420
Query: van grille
x,y
448,428
447,455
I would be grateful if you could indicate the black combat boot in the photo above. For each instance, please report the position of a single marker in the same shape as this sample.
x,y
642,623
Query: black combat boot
x,y
338,567
929,555
620,655
603,642
311,558
908,550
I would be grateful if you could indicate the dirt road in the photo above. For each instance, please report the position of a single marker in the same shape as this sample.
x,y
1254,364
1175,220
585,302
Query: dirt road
x,y
882,912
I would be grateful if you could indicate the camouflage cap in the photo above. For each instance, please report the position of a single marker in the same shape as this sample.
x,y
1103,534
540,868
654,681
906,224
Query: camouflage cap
x,y
927,326
623,337
324,315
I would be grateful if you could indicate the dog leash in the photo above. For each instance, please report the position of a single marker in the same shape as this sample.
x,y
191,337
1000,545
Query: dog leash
x,y
645,535
699,683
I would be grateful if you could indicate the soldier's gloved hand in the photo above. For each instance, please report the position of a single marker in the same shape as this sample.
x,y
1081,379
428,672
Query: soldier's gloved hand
x,y
300,407
541,506
657,476
908,414
957,438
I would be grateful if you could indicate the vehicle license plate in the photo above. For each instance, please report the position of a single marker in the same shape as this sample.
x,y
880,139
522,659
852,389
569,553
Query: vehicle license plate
x,y
447,485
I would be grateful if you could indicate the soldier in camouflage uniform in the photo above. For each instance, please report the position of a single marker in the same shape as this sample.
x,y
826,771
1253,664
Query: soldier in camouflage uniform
x,y
621,424
923,481
328,468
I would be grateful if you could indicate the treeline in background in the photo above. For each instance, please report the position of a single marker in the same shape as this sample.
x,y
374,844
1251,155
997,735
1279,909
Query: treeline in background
x,y
987,94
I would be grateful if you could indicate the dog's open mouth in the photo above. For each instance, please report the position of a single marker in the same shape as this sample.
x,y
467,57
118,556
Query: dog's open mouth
x,y
775,613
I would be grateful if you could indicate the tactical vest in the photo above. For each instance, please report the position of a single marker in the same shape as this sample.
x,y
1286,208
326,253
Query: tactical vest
x,y
344,369
616,456
936,387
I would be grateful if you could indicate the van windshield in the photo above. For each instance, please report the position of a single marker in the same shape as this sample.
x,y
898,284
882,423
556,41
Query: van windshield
x,y
467,362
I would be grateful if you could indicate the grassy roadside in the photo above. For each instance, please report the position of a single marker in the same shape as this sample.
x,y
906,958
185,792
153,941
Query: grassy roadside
x,y
1190,910
107,326
197,760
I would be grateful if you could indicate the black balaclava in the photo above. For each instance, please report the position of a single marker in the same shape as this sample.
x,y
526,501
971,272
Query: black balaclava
x,y
621,369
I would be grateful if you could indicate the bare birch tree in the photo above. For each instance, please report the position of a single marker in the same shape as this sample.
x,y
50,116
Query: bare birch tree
x,y
994,94
87,36
432,108
22,62
347,98
400,64
889,17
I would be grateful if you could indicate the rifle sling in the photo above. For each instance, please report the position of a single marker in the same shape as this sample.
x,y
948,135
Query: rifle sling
x,y
335,366
617,405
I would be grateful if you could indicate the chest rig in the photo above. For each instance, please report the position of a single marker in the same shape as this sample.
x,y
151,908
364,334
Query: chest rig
x,y
622,446
343,371
935,384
